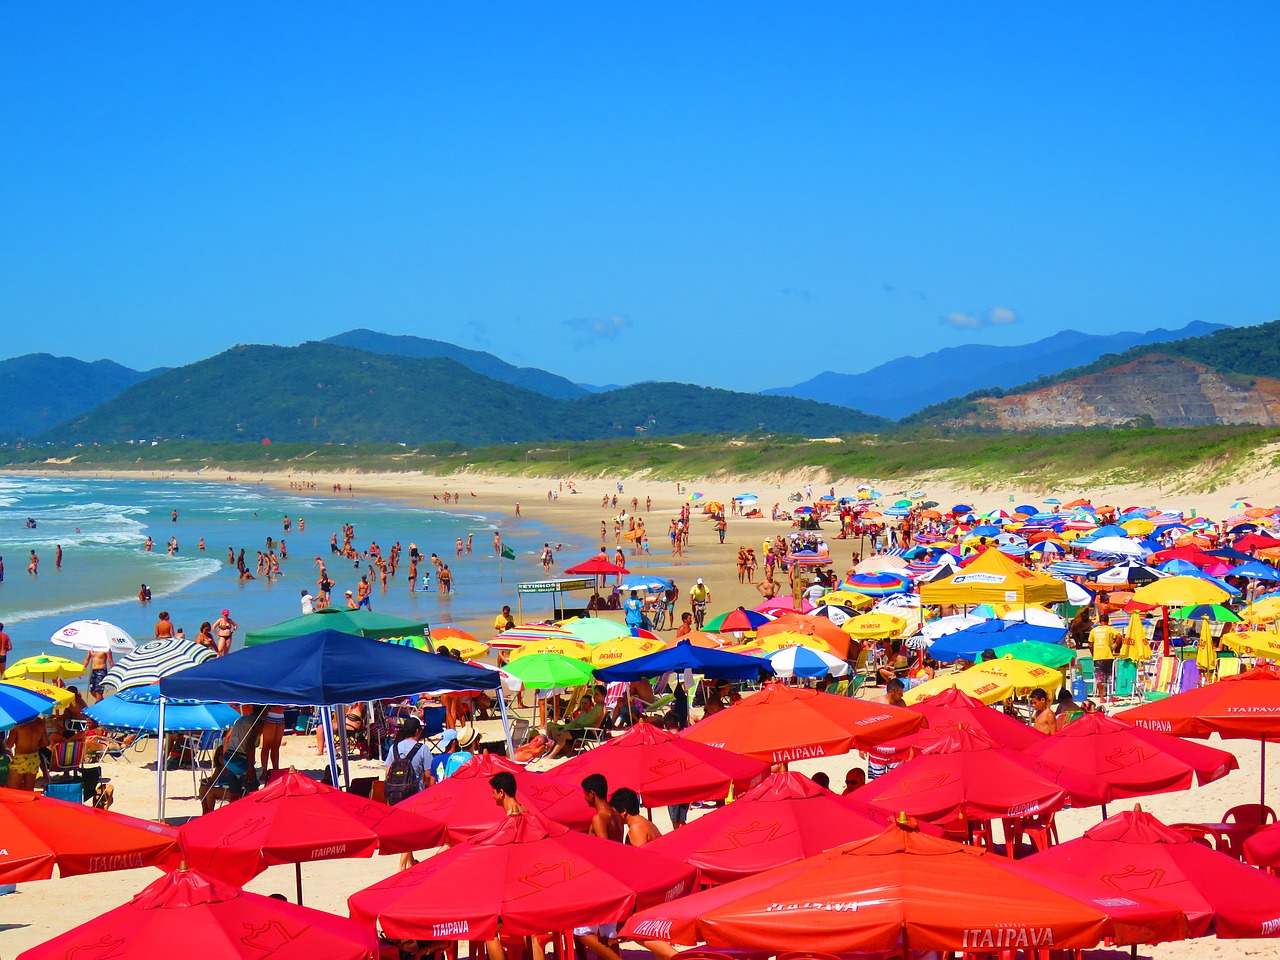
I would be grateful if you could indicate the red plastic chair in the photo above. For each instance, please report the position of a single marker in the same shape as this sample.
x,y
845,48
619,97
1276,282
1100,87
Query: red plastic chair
x,y
1204,835
1244,821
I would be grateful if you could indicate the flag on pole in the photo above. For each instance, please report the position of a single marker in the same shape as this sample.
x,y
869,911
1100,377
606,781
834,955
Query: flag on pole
x,y
508,553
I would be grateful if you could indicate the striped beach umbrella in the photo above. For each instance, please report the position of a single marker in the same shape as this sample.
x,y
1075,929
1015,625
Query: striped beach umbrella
x,y
18,706
156,659
806,662
517,637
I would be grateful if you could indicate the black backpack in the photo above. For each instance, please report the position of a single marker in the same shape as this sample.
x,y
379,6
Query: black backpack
x,y
402,781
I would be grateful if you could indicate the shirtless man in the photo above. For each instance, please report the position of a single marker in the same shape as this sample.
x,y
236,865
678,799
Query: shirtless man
x,y
33,567
98,662
25,742
1046,720
639,829
605,822
363,592
503,787
224,629
768,587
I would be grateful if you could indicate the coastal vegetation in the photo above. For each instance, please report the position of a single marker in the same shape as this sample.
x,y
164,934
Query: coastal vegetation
x,y
1188,459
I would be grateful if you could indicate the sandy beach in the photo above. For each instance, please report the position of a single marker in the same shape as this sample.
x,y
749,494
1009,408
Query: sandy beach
x,y
43,909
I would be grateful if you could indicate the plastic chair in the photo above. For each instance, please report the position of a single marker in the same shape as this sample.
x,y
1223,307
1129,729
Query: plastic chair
x,y
1125,680
1189,677
201,747
1204,835
66,759
1244,821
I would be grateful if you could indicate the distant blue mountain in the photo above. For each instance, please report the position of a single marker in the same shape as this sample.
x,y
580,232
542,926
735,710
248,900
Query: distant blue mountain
x,y
40,390
903,386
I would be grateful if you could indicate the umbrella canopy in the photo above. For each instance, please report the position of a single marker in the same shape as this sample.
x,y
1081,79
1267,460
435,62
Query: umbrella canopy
x,y
718,664
874,625
991,680
1263,848
210,919
968,644
1246,706
1205,611
836,639
1134,853
154,659
549,671
900,891
295,819
646,583
665,768
360,623
61,696
945,712
1254,643
322,669
1180,592
593,630
779,724
463,803
18,706
138,708
517,637
41,833
965,775
1122,760
597,566
45,667
786,818
96,636
804,662
880,584
737,621
622,649
1055,656
573,649
526,874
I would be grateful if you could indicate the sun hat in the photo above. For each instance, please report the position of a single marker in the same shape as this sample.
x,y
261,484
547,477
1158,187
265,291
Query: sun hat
x,y
467,737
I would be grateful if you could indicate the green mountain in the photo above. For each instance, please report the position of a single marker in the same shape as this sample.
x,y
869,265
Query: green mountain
x,y
38,390
531,378
1241,351
320,392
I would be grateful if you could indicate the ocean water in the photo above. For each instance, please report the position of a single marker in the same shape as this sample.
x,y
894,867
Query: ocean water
x,y
102,525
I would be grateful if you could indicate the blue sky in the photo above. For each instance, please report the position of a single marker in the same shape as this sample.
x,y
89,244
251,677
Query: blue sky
x,y
727,193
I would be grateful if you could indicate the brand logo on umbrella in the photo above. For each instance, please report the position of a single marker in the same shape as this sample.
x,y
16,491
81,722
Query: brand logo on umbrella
x,y
547,875
269,937
1003,937
1123,757
657,929
669,767
450,929
757,832
1131,878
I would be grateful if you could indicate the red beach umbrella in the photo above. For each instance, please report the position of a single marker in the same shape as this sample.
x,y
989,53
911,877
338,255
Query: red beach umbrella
x,y
903,890
1134,853
463,804
205,918
781,723
295,819
527,874
1263,848
1127,761
1243,707
595,567
665,768
945,712
38,833
965,776
786,818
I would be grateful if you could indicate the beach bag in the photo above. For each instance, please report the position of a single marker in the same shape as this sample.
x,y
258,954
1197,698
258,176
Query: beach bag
x,y
402,782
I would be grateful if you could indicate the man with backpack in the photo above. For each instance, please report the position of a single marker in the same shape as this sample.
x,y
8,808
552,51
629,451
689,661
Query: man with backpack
x,y
408,766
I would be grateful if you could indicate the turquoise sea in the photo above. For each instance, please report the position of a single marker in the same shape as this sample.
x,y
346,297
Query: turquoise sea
x,y
102,525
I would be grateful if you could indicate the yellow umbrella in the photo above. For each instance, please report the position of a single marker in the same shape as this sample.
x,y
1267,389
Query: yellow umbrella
x,y
1264,611
1180,592
45,667
467,649
58,695
842,597
874,625
1135,646
1206,656
1140,527
1254,643
622,649
1022,674
559,645
789,638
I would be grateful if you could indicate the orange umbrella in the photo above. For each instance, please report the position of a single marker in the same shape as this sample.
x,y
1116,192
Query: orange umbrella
x,y
821,627
905,891
781,723
443,634
40,833
711,641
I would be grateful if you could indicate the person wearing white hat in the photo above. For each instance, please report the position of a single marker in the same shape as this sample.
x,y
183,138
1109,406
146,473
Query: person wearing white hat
x,y
699,597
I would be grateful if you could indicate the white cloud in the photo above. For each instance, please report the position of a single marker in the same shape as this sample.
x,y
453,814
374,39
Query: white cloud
x,y
995,317
586,330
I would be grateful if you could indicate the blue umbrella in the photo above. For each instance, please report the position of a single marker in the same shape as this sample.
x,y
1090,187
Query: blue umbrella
x,y
968,644
644,583
139,709
984,530
18,706
1026,508
962,508
1255,570
718,664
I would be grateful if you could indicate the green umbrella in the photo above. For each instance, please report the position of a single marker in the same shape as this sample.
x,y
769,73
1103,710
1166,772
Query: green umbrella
x,y
1052,655
1205,611
594,630
363,623
546,671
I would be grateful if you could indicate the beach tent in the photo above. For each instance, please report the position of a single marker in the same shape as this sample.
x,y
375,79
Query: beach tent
x,y
324,669
361,623
994,578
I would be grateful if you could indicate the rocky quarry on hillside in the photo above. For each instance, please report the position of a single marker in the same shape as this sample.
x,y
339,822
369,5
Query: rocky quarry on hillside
x,y
1153,390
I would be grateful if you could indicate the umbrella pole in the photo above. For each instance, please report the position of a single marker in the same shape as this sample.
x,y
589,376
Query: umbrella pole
x,y
342,736
326,724
297,875
1262,780
161,761
506,723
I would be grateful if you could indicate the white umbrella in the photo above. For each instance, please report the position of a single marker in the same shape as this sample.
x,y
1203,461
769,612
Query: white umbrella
x,y
1038,616
1118,547
806,662
945,625
94,636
